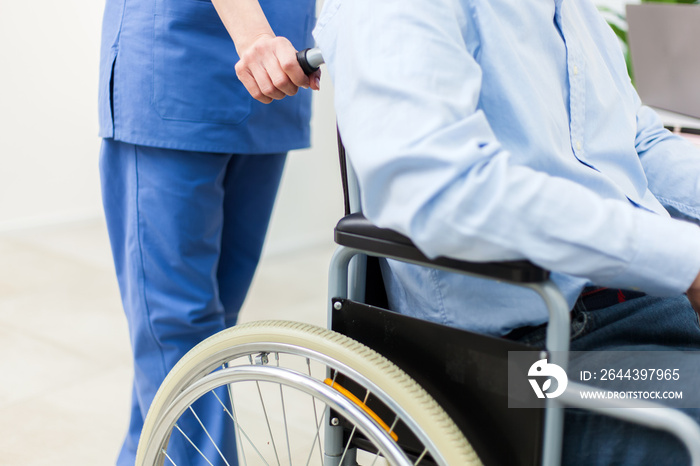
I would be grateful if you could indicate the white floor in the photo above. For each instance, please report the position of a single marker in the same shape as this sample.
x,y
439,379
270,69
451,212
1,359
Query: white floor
x,y
65,369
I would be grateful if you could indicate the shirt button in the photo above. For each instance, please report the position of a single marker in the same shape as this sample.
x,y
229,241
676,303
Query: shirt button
x,y
578,145
575,70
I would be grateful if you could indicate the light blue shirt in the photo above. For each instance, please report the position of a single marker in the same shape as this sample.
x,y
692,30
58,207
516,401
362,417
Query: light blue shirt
x,y
497,129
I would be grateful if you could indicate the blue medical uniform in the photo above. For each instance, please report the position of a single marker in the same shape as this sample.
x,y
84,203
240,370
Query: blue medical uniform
x,y
190,165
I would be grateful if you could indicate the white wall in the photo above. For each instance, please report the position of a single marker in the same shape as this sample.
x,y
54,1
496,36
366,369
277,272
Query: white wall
x,y
49,52
48,129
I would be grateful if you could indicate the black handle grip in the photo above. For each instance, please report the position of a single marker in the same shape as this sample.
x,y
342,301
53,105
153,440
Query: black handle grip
x,y
309,60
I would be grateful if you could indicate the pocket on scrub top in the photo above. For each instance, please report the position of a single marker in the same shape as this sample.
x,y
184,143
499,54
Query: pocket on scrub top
x,y
194,66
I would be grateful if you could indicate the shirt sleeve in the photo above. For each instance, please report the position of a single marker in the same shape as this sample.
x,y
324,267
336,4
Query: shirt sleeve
x,y
407,89
671,163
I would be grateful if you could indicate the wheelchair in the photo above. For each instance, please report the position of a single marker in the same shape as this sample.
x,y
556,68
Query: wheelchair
x,y
378,387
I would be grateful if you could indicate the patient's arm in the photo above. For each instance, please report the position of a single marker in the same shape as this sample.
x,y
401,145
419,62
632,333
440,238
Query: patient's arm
x,y
671,163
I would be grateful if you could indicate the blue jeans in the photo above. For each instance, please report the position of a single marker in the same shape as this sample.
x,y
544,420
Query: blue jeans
x,y
645,324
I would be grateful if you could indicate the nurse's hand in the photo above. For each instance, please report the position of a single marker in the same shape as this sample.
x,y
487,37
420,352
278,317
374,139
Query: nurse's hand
x,y
269,70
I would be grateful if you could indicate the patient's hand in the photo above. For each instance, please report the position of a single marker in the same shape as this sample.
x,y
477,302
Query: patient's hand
x,y
269,70
694,294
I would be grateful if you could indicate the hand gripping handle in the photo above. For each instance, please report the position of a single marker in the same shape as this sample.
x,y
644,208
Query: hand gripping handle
x,y
310,59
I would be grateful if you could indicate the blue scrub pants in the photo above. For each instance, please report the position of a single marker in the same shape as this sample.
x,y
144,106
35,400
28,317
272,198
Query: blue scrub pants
x,y
186,230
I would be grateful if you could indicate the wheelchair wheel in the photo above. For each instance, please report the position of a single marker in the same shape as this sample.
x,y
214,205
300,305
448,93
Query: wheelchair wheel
x,y
278,384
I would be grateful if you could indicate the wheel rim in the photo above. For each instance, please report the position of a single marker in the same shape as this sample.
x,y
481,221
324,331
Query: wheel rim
x,y
284,377
197,384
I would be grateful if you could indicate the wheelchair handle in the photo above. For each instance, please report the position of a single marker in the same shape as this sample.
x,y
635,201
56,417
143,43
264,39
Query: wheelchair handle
x,y
310,59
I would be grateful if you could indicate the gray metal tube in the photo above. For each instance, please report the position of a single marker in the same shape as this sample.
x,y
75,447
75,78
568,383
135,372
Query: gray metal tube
x,y
639,412
558,335
338,276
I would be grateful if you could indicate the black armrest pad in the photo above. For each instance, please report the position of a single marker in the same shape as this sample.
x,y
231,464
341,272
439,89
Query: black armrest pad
x,y
356,232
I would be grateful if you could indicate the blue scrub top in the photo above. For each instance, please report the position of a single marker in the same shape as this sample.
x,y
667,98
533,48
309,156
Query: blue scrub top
x,y
167,79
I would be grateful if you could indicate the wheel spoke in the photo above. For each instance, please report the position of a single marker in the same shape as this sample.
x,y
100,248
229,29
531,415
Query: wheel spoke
x,y
239,443
169,458
393,425
347,444
267,419
420,458
317,437
193,445
241,429
318,427
284,415
206,432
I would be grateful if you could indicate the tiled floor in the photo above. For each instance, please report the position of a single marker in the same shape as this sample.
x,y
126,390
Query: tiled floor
x,y
65,369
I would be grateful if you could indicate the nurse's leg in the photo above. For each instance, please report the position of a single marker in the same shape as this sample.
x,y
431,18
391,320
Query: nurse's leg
x,y
164,216
251,186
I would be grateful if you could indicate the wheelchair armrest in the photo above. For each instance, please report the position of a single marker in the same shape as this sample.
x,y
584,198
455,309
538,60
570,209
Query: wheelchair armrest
x,y
355,231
